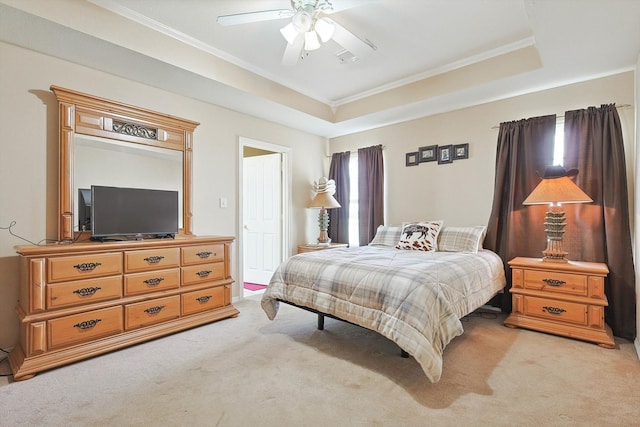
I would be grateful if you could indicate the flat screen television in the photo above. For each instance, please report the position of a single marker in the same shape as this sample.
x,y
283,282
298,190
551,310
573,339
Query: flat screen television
x,y
133,212
84,209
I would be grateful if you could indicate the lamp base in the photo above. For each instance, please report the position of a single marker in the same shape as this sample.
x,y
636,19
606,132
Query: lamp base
x,y
554,223
323,223
323,238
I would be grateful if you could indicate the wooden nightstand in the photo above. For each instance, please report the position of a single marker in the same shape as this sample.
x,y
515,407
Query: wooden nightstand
x,y
563,298
315,247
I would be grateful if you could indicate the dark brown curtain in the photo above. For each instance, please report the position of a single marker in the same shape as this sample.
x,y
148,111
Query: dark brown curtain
x,y
370,192
339,217
599,231
525,149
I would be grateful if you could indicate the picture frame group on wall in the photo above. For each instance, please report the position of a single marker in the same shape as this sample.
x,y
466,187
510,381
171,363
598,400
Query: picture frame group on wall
x,y
443,154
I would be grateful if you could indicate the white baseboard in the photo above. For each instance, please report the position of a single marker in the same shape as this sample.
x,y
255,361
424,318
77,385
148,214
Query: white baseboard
x,y
636,344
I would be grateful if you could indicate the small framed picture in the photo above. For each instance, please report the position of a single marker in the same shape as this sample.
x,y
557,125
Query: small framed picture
x,y
445,154
461,151
428,153
411,159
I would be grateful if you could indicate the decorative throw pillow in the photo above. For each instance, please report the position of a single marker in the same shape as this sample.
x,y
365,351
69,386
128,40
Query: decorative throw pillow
x,y
420,236
461,239
386,236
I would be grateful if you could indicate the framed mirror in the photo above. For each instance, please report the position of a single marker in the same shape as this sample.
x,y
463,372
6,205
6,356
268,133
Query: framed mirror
x,y
104,142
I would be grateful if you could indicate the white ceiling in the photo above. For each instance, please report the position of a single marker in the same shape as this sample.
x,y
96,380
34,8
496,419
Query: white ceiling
x,y
575,40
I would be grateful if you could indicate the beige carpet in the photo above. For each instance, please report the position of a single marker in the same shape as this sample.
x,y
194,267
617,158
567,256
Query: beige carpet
x,y
250,371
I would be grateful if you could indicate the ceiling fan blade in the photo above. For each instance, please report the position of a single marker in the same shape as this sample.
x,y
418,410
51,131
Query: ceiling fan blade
x,y
245,18
293,51
345,38
340,5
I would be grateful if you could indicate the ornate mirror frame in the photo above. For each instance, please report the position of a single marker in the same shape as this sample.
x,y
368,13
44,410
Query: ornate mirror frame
x,y
84,114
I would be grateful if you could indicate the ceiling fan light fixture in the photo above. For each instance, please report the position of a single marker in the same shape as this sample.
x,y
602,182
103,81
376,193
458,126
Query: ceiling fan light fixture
x,y
311,41
325,29
289,33
302,21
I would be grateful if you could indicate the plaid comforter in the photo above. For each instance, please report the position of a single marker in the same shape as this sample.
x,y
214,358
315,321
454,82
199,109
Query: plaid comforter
x,y
414,298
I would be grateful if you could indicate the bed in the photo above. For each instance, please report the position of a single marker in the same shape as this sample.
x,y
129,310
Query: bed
x,y
415,298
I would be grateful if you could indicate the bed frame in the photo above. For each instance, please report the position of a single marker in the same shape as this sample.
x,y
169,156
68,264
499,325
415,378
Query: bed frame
x,y
322,315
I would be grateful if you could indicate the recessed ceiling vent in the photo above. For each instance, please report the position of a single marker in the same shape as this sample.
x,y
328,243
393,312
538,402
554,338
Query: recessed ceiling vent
x,y
346,57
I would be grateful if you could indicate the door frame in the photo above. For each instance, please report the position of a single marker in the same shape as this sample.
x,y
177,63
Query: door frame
x,y
285,170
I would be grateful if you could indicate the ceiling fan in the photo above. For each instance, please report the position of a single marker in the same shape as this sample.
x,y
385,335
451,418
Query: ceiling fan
x,y
308,22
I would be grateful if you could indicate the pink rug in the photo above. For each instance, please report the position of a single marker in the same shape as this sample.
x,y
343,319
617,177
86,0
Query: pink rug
x,y
254,286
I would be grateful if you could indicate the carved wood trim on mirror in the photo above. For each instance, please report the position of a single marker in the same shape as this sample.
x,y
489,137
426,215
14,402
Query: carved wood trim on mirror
x,y
91,116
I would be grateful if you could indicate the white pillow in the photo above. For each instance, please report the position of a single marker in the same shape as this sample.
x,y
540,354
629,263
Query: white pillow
x,y
386,236
461,239
420,236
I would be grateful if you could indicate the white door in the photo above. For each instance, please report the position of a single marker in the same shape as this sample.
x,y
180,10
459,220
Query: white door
x,y
262,189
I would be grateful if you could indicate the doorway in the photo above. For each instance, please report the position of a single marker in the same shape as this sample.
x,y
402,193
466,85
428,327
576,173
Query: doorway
x,y
263,233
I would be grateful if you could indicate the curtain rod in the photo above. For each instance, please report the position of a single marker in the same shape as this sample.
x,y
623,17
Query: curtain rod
x,y
562,116
384,147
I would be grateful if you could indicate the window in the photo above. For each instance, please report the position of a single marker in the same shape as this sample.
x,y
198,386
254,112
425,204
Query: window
x,y
558,145
354,234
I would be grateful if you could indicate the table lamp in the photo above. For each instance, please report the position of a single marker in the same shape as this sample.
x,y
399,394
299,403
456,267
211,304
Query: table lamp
x,y
556,188
324,200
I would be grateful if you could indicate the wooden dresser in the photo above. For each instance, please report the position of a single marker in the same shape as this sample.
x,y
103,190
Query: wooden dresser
x,y
83,299
563,298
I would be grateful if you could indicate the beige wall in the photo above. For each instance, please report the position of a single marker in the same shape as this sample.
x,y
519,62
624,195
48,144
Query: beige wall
x,y
28,163
637,206
460,193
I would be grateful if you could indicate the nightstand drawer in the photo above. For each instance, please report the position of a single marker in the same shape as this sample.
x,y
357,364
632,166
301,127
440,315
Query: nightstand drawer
x,y
561,311
553,281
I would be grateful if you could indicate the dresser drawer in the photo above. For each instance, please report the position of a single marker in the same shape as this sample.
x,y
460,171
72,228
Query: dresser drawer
x,y
202,273
201,254
151,259
150,312
141,283
84,327
202,300
84,266
562,311
552,281
79,292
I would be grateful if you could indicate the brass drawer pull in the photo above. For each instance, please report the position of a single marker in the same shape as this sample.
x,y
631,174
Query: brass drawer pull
x,y
205,254
154,281
154,259
87,292
87,324
87,266
203,299
554,282
204,273
554,310
154,310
